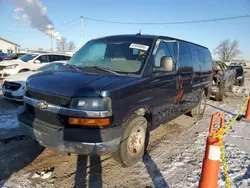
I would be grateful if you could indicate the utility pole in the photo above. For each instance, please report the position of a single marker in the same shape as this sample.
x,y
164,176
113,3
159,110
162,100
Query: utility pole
x,y
51,38
82,31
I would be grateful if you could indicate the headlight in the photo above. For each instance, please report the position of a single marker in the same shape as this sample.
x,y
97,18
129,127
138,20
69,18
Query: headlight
x,y
93,104
11,66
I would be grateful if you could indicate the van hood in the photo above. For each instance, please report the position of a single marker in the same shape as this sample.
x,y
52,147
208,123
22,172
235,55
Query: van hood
x,y
71,84
11,62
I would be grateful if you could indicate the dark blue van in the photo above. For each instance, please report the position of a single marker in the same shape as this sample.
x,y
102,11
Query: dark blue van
x,y
113,91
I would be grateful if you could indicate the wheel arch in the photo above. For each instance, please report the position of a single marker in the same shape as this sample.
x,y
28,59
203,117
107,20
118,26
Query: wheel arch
x,y
143,110
23,70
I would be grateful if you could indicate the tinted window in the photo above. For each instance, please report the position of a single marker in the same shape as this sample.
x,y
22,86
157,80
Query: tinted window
x,y
195,57
67,58
54,58
185,61
58,58
43,58
205,59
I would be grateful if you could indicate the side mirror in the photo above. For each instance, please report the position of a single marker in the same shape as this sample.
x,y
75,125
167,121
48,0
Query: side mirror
x,y
245,72
37,61
166,65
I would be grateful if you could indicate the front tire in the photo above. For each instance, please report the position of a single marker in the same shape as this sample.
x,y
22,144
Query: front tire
x,y
133,142
199,110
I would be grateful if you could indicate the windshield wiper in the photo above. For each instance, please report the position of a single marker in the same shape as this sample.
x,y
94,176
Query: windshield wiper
x,y
73,67
105,69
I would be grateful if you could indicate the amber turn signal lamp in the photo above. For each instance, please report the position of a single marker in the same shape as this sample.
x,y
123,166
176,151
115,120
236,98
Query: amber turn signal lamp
x,y
89,122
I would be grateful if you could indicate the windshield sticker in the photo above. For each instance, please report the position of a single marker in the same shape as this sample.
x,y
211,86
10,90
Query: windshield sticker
x,y
139,46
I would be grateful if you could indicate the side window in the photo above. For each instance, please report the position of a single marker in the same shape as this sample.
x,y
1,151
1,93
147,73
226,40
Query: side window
x,y
54,58
43,58
67,58
205,59
195,57
61,57
162,50
185,61
208,59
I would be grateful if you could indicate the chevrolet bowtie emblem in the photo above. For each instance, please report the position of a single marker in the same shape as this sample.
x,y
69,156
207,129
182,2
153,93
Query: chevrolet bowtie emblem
x,y
42,105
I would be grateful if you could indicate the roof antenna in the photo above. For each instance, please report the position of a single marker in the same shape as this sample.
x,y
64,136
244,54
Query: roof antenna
x,y
139,32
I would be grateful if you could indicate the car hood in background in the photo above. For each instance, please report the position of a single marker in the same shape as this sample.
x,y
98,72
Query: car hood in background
x,y
71,84
20,76
10,62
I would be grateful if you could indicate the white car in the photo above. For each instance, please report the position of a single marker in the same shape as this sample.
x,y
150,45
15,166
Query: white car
x,y
13,86
29,62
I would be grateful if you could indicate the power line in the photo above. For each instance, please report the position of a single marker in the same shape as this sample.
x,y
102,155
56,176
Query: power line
x,y
169,23
72,21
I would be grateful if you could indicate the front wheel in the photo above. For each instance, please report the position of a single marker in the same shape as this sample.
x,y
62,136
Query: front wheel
x,y
133,142
199,110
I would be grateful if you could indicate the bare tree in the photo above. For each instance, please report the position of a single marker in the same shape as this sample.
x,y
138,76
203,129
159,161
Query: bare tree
x,y
227,50
62,45
71,46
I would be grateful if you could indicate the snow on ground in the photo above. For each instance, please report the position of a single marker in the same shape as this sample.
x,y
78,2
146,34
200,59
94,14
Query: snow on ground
x,y
241,91
237,150
8,119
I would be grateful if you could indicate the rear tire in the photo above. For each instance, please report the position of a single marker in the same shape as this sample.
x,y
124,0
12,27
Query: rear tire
x,y
230,88
199,110
133,142
241,82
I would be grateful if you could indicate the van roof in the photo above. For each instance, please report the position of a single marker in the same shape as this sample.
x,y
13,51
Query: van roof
x,y
152,37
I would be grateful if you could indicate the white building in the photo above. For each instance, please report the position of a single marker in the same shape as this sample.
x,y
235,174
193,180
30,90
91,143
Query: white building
x,y
8,47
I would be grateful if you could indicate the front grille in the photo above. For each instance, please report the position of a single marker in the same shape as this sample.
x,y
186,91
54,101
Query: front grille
x,y
48,117
2,67
11,86
49,98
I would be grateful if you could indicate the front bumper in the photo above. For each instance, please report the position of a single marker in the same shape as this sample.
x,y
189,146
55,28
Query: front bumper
x,y
13,95
83,141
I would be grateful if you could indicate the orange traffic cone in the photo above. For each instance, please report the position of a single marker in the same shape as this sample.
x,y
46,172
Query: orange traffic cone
x,y
247,115
211,161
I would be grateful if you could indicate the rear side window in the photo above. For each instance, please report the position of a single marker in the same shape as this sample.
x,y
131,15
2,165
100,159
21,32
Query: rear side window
x,y
66,58
205,59
185,61
58,58
43,58
195,57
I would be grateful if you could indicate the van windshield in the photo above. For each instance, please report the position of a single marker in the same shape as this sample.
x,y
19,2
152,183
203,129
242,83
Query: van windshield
x,y
122,55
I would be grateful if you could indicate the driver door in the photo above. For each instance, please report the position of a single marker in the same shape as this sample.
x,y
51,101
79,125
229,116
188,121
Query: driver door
x,y
165,84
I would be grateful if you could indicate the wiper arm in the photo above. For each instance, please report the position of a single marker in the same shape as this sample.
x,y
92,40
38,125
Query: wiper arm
x,y
73,67
105,69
